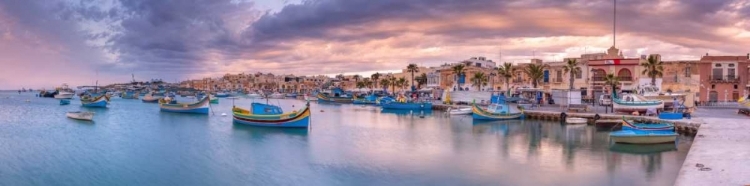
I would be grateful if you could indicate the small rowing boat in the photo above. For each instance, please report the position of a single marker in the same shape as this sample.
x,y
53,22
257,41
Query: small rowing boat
x,y
87,116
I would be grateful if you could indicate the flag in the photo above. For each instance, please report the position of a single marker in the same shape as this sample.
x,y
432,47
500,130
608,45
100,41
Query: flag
x,y
612,62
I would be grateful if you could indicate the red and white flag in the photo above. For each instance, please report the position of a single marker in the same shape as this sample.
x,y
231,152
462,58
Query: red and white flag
x,y
612,62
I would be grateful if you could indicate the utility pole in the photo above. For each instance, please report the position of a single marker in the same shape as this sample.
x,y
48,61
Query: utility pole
x,y
614,24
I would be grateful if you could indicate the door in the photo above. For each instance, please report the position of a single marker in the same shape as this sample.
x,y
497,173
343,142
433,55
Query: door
x,y
735,96
713,96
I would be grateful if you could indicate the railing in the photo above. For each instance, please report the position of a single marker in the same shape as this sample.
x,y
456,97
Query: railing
x,y
727,79
625,78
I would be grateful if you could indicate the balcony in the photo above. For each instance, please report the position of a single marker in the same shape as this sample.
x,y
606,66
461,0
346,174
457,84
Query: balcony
x,y
625,78
724,79
597,78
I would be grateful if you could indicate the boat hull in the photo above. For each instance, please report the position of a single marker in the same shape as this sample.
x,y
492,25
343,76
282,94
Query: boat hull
x,y
80,116
576,120
461,111
64,95
200,107
323,98
481,114
148,99
100,101
643,137
288,120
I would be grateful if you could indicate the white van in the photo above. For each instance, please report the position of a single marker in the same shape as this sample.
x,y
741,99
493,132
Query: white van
x,y
605,100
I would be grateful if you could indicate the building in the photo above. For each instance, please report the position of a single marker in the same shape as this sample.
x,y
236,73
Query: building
x,y
723,78
626,69
681,76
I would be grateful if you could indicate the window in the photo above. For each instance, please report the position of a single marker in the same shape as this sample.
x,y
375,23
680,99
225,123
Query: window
x,y
687,71
713,86
717,73
731,65
579,75
735,87
717,65
559,76
730,74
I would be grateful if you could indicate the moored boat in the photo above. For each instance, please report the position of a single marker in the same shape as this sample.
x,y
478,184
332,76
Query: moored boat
x,y
222,94
498,110
88,116
64,102
64,92
626,125
326,98
151,98
575,120
460,111
200,107
634,102
214,100
94,101
643,137
271,116
277,95
407,105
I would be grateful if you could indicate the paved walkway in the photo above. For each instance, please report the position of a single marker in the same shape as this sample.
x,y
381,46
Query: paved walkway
x,y
720,154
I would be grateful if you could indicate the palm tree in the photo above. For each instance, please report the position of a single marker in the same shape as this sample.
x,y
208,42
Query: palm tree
x,y
572,66
653,68
385,83
506,71
375,77
360,84
412,68
421,80
394,83
613,81
459,71
535,73
356,78
479,80
367,83
402,83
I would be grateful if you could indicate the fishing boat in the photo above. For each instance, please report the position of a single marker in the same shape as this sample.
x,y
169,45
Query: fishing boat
x,y
277,95
200,107
271,116
129,94
337,95
460,111
367,100
634,102
222,94
575,120
626,125
497,110
64,102
214,100
254,95
89,100
151,98
407,105
64,92
87,116
291,95
47,94
643,137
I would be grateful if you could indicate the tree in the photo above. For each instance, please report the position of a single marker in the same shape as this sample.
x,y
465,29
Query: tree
x,y
394,83
385,83
479,80
571,66
506,71
653,68
402,83
612,80
459,70
412,68
421,80
360,84
535,73
367,83
356,78
375,77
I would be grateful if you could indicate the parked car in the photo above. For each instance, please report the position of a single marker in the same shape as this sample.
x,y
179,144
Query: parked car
x,y
605,100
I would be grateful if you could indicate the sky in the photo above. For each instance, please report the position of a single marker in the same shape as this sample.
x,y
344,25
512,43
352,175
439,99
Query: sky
x,y
44,43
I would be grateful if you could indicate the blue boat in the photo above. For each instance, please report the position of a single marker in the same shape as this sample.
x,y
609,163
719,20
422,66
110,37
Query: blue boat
x,y
222,95
129,94
94,101
407,105
626,125
498,110
337,95
200,107
367,100
643,137
64,102
266,115
384,99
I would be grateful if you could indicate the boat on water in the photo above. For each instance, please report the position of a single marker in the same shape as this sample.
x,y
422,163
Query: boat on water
x,y
634,102
291,95
575,120
266,115
64,102
213,100
367,100
643,137
460,111
402,103
222,94
87,116
311,96
129,94
276,95
89,100
64,92
337,95
151,98
497,110
200,107
627,125
47,94
254,95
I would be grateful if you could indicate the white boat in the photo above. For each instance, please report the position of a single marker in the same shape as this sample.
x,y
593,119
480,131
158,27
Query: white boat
x,y
254,95
653,93
277,95
460,111
63,92
634,102
88,116
311,97
574,120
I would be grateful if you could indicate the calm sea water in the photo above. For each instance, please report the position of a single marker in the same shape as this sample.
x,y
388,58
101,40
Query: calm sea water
x,y
132,143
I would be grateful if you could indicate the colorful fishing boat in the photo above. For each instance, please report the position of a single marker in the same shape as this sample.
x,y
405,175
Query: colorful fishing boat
x,y
200,107
94,101
367,100
643,137
129,94
407,105
498,110
214,100
64,102
634,102
323,97
266,115
626,125
151,98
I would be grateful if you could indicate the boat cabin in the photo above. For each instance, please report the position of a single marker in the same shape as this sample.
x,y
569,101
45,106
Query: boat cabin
x,y
265,109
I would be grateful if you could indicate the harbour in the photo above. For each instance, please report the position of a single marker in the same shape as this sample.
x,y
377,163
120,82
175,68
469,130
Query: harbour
x,y
345,144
